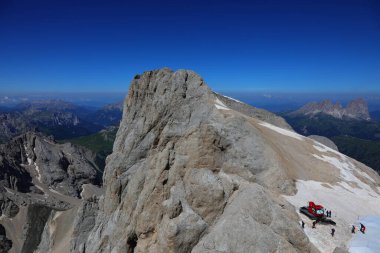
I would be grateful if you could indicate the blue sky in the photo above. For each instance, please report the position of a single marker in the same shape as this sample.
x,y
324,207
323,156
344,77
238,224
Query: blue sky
x,y
274,45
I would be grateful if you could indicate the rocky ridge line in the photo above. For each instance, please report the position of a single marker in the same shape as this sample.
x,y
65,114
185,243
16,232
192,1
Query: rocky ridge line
x,y
356,109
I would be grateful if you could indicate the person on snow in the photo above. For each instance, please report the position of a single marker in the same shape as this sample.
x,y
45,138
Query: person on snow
x,y
353,229
362,228
313,224
303,224
332,232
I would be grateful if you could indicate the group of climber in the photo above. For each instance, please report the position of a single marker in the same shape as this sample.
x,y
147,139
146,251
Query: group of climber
x,y
353,228
328,214
362,228
320,213
313,226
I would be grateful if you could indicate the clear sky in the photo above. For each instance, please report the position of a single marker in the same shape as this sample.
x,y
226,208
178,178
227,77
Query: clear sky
x,y
274,45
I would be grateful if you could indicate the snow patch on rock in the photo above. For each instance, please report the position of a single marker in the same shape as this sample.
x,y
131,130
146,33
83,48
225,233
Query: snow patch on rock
x,y
324,149
346,202
27,156
219,105
38,172
283,131
346,169
233,99
56,192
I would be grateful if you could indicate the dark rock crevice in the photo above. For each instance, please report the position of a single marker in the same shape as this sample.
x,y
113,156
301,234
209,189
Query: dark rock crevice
x,y
5,243
37,217
132,243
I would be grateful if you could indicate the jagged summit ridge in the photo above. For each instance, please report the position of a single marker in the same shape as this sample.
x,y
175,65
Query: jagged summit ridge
x,y
356,109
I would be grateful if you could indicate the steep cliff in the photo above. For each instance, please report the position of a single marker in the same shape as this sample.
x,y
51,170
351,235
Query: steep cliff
x,y
188,173
38,177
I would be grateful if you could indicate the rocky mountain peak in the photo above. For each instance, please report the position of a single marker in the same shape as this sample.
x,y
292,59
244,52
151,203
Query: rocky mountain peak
x,y
356,109
184,162
195,171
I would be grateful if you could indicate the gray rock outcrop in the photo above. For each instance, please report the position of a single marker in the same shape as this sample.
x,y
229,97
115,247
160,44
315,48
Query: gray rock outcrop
x,y
83,224
188,174
340,250
39,177
7,207
36,219
62,167
67,231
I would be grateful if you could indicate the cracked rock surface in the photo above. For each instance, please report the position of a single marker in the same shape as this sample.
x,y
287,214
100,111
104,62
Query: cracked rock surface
x,y
189,174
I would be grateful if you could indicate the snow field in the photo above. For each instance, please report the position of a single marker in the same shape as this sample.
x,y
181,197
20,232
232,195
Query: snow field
x,y
219,105
283,131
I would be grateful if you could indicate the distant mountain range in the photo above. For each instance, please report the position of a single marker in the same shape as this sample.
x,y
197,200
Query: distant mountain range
x,y
56,117
109,115
356,109
350,128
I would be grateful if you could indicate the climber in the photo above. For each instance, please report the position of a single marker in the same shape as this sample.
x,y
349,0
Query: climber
x,y
332,232
362,228
303,224
353,229
313,224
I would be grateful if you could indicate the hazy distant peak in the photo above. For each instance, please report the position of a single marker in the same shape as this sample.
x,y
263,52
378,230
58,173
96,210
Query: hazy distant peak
x,y
48,104
356,109
114,106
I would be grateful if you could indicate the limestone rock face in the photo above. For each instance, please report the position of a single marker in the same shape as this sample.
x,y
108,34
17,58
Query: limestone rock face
x,y
190,174
67,231
39,177
255,223
62,167
83,224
